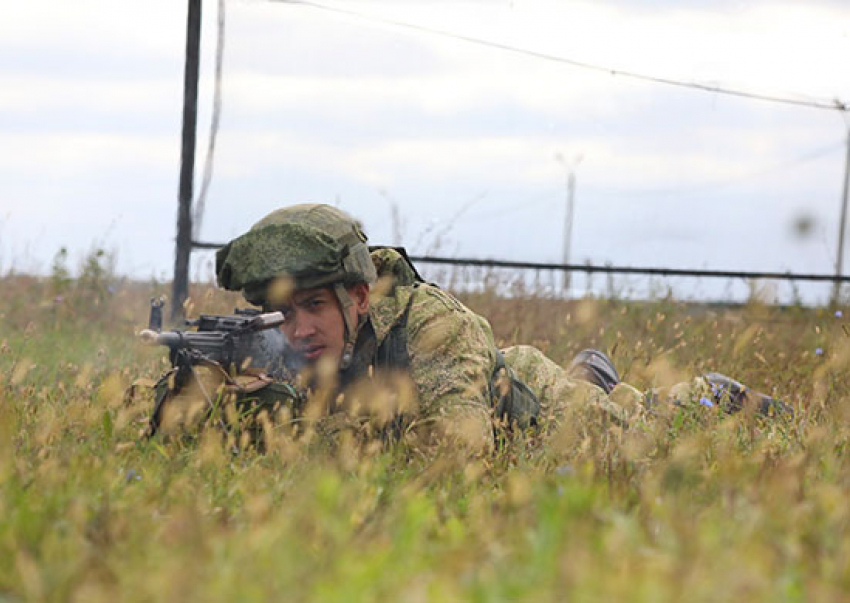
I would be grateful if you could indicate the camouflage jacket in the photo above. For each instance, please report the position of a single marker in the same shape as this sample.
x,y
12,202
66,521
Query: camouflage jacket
x,y
447,350
450,355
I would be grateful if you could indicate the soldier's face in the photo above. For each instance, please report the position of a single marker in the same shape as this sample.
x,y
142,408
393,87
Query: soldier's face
x,y
314,324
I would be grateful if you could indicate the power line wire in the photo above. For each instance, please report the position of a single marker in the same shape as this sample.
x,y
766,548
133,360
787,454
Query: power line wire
x,y
200,203
591,268
833,105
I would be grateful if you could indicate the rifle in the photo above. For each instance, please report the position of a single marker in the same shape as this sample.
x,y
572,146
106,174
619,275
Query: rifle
x,y
245,340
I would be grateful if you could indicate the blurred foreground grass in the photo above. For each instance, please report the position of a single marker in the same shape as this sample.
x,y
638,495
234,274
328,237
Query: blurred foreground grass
x,y
695,507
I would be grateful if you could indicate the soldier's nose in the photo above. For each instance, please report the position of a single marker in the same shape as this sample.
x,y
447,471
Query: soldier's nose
x,y
304,328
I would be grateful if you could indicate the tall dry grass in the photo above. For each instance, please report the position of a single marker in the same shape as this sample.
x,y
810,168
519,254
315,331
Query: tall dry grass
x,y
687,505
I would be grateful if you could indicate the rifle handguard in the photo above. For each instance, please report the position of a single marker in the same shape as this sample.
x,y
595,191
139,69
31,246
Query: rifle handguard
x,y
268,320
246,339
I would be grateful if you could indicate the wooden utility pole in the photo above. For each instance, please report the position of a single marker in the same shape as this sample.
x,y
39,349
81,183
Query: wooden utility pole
x,y
568,226
183,244
568,212
839,262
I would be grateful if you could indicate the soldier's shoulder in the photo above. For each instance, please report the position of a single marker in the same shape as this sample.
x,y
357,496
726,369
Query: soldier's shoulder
x,y
415,304
392,265
429,300
433,310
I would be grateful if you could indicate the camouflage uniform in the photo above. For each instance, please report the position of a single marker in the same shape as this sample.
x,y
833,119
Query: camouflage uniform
x,y
461,380
451,356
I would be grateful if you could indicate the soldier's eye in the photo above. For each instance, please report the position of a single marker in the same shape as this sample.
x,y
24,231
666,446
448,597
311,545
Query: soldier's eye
x,y
312,304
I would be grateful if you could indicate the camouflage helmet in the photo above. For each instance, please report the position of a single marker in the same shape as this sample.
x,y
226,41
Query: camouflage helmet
x,y
315,245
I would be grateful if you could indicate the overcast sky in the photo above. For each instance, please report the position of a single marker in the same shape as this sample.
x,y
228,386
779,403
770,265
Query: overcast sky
x,y
463,139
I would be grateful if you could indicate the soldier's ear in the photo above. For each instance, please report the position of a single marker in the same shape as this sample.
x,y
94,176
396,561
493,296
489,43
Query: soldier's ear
x,y
360,296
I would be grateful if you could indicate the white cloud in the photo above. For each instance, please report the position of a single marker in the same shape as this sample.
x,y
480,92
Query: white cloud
x,y
508,161
72,156
446,93
88,94
784,46
151,28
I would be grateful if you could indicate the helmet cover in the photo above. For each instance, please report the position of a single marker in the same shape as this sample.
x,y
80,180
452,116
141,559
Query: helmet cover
x,y
315,245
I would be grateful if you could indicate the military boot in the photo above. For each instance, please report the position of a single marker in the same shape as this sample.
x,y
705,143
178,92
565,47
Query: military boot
x,y
733,396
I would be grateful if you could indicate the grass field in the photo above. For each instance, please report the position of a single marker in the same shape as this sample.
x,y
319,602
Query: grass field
x,y
692,506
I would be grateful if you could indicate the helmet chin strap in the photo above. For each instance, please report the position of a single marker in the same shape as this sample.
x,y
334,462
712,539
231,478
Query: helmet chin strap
x,y
350,335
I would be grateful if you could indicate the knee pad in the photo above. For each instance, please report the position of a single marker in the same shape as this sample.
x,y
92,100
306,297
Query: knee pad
x,y
595,367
